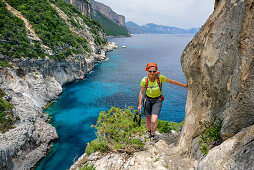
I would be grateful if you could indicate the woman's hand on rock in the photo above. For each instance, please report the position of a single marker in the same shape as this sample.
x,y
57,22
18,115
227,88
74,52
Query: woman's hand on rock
x,y
186,85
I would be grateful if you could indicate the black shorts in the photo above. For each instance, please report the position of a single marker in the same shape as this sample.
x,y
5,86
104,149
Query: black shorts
x,y
152,106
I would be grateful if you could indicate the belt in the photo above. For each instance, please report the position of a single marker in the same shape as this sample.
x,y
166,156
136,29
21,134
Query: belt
x,y
153,98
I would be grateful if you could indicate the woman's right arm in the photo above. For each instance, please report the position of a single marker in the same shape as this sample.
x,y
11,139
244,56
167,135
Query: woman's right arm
x,y
142,89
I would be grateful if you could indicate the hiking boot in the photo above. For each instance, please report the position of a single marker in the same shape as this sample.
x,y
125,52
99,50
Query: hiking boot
x,y
154,139
148,134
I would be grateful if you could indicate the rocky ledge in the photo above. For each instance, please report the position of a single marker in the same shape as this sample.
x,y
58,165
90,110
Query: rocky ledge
x,y
155,155
30,85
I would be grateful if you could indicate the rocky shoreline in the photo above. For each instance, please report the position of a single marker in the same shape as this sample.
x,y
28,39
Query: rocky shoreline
x,y
30,85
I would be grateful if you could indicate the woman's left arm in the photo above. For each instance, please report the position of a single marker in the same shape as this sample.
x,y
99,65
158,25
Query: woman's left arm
x,y
177,83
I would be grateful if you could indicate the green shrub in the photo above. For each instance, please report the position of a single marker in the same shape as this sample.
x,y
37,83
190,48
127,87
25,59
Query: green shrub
x,y
117,131
2,93
210,136
5,64
97,145
7,118
166,126
87,167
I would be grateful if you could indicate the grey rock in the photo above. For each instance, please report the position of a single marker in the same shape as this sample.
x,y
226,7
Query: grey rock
x,y
219,66
234,153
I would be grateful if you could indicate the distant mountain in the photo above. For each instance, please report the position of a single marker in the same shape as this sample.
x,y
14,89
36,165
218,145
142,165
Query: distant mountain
x,y
157,29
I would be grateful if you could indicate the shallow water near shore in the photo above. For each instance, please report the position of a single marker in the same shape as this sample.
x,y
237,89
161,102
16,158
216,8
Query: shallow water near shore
x,y
114,82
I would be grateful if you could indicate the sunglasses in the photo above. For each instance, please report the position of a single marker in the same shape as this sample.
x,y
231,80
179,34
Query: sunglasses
x,y
150,71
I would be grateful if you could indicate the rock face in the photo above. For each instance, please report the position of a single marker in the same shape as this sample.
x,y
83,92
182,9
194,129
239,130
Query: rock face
x,y
83,7
92,6
108,12
219,66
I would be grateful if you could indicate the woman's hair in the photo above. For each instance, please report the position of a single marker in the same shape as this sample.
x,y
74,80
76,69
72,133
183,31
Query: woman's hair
x,y
149,65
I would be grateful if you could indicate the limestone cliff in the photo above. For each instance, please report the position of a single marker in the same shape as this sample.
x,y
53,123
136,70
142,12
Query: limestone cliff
x,y
219,66
82,5
90,7
108,12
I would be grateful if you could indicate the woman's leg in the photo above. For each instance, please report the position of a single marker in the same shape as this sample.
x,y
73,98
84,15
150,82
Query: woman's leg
x,y
154,124
148,122
156,108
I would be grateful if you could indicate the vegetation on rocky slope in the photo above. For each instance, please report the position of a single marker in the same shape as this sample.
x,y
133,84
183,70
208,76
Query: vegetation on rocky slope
x,y
72,11
166,126
87,167
7,117
109,26
116,131
5,64
210,136
48,25
13,39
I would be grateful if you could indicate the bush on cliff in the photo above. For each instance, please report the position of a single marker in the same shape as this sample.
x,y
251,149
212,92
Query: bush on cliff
x,y
166,126
210,136
87,167
116,131
7,118
5,64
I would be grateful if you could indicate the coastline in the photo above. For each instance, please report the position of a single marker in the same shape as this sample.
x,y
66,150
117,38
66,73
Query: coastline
x,y
39,84
119,36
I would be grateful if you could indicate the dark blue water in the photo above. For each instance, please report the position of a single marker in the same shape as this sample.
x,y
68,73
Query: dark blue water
x,y
115,82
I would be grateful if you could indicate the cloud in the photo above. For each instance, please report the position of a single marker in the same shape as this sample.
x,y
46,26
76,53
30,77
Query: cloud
x,y
178,13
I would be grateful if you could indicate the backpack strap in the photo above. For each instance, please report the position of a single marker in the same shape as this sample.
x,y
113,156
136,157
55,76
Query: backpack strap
x,y
146,83
160,85
158,82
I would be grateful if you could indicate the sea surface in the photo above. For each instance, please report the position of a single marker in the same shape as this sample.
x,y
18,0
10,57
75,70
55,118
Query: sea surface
x,y
114,82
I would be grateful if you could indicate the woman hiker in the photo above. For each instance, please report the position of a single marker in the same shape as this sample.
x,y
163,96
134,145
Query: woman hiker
x,y
152,102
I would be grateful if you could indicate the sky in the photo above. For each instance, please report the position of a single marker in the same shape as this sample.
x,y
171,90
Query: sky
x,y
177,13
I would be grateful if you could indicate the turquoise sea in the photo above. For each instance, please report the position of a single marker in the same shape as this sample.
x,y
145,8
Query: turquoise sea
x,y
114,82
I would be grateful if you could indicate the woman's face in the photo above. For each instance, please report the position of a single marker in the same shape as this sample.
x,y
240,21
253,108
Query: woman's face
x,y
151,72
